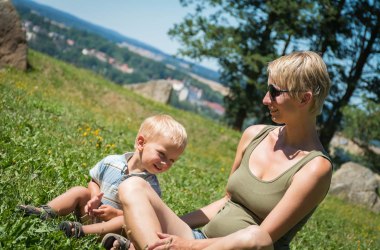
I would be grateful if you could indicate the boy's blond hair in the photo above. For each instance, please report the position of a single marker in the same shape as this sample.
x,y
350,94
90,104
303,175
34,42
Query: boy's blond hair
x,y
163,125
300,72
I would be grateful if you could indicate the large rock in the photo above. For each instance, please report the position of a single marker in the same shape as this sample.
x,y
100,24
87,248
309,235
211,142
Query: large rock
x,y
159,90
357,184
13,46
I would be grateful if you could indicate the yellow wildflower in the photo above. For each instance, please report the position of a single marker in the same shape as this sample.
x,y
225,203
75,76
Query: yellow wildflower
x,y
96,132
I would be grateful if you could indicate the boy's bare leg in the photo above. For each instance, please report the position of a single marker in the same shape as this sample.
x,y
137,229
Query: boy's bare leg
x,y
145,213
114,225
72,199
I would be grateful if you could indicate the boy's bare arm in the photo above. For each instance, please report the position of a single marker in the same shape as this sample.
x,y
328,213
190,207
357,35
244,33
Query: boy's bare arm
x,y
94,188
96,197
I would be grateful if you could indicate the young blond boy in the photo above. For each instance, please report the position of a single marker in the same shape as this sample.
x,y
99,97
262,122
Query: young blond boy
x,y
159,143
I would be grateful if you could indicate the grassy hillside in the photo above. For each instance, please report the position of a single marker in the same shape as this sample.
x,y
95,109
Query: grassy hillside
x,y
57,121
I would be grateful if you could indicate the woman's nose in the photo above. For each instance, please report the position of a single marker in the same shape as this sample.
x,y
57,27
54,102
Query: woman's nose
x,y
267,100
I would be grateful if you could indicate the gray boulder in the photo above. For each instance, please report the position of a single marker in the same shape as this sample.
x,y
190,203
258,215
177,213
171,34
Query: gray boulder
x,y
358,185
13,46
159,90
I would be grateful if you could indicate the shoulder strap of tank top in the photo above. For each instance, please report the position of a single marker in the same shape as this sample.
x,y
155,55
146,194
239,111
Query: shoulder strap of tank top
x,y
261,135
264,131
310,156
255,141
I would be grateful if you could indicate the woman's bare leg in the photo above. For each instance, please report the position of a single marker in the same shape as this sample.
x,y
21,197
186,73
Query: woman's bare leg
x,y
72,199
145,213
252,237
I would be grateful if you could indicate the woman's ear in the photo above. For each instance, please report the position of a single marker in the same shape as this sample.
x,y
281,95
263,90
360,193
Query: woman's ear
x,y
306,97
140,141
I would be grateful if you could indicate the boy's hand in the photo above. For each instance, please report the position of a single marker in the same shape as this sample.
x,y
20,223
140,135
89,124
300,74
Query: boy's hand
x,y
105,212
94,203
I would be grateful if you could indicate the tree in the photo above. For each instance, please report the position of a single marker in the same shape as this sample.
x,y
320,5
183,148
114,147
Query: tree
x,y
245,35
361,125
348,36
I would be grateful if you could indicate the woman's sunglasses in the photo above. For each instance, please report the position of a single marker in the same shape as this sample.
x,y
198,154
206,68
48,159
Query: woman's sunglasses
x,y
274,92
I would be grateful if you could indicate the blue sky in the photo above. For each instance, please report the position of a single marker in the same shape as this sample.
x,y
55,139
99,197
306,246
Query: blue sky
x,y
145,20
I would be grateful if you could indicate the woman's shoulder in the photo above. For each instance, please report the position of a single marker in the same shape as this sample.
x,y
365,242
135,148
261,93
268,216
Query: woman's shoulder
x,y
320,166
318,169
254,130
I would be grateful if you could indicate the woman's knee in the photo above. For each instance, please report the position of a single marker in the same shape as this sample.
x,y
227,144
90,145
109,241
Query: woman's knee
x,y
131,187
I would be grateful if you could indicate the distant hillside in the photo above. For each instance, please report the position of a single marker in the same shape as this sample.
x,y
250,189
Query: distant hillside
x,y
114,36
121,63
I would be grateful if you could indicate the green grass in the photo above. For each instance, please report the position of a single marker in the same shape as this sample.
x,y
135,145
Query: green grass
x,y
57,121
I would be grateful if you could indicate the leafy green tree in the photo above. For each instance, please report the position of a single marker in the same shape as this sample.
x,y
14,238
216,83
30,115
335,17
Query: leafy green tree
x,y
361,125
348,36
244,35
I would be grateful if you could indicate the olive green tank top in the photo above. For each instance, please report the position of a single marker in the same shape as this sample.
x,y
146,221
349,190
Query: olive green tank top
x,y
252,199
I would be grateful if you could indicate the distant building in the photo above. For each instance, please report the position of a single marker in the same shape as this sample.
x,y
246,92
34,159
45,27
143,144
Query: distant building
x,y
111,60
219,109
124,68
169,66
177,84
183,94
36,29
30,36
101,56
70,42
195,94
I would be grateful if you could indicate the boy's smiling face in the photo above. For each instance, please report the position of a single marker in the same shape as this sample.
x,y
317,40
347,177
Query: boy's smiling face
x,y
158,154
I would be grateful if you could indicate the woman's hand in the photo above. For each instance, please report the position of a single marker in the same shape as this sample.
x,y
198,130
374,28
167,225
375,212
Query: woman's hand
x,y
106,212
171,242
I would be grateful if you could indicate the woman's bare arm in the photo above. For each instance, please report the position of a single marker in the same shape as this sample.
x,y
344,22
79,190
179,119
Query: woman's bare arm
x,y
309,187
202,216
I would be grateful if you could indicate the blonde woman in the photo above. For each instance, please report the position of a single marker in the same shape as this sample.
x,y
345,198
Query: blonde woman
x,y
280,175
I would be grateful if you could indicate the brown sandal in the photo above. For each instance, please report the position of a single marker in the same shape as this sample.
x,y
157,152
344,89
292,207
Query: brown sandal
x,y
109,239
44,212
72,229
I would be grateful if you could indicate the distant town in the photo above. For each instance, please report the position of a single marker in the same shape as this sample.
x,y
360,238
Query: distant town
x,y
183,89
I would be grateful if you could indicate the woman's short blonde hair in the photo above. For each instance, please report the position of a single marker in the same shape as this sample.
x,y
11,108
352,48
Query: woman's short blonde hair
x,y
162,125
300,72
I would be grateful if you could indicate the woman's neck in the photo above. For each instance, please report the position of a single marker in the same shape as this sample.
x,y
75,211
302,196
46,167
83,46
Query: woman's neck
x,y
302,136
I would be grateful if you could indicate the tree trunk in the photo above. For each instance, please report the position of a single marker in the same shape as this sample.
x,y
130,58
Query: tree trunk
x,y
239,119
335,116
